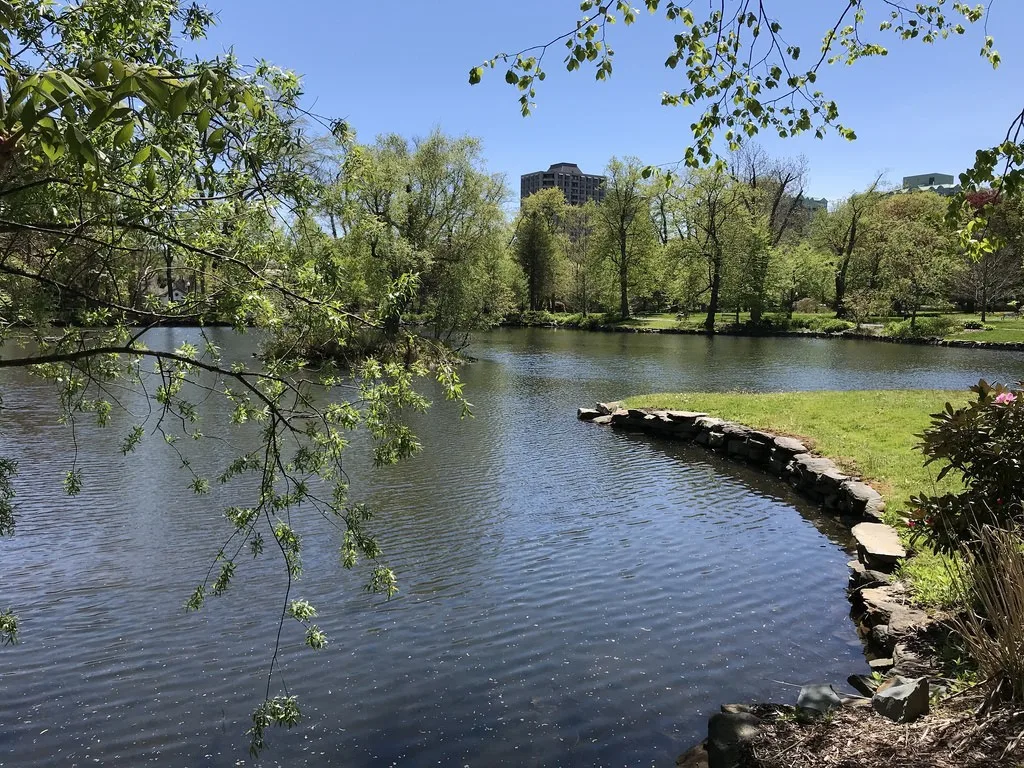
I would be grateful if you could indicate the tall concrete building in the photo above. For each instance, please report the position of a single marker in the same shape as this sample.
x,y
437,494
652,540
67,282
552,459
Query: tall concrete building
x,y
577,186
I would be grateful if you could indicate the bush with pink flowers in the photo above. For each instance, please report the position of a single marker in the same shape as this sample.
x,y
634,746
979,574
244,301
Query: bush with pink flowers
x,y
983,443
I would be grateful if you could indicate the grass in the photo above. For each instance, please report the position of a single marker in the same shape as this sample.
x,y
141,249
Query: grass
x,y
870,433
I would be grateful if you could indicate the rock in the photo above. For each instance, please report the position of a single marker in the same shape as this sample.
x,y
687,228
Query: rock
x,y
862,684
637,414
709,422
587,414
684,417
878,546
607,409
818,698
726,734
790,446
602,420
695,758
903,703
864,499
737,709
862,576
884,606
881,665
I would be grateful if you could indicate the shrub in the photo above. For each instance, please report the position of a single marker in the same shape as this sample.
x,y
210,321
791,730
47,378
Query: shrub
x,y
924,328
992,627
984,443
976,325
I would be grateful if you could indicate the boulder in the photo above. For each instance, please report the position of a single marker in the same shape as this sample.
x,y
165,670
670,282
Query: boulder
x,y
862,684
862,576
863,499
726,735
903,702
878,546
881,665
709,422
607,409
587,414
818,698
602,420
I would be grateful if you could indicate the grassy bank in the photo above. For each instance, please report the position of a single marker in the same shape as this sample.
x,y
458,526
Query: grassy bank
x,y
870,433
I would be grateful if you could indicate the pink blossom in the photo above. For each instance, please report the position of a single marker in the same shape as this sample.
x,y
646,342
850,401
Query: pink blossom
x,y
1004,398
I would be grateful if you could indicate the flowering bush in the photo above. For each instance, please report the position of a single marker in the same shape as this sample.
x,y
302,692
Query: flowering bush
x,y
984,443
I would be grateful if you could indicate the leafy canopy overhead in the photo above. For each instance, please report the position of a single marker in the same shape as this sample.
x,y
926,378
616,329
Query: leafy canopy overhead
x,y
738,67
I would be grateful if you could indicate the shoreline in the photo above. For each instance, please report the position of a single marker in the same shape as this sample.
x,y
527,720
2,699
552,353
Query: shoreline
x,y
887,622
1006,346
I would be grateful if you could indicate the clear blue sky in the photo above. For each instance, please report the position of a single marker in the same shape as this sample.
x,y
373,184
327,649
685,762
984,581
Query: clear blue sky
x,y
402,66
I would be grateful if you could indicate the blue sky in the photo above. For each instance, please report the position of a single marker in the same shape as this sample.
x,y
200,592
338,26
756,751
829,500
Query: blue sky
x,y
401,66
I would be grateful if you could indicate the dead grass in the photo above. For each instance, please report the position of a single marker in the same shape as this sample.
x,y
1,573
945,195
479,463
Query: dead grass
x,y
856,737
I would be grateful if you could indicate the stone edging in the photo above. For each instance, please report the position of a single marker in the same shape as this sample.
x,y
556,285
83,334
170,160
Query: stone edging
x,y
885,618
799,334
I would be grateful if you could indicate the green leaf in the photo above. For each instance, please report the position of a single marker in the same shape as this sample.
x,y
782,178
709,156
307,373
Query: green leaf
x,y
217,140
124,135
203,121
179,101
142,155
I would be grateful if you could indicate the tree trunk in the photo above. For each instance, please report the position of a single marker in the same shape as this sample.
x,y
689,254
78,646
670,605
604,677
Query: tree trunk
x,y
984,289
716,289
623,277
170,272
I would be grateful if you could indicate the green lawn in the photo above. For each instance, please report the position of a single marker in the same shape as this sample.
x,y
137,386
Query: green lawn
x,y
871,433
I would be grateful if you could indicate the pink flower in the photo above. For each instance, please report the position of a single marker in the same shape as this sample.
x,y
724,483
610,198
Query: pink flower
x,y
1004,398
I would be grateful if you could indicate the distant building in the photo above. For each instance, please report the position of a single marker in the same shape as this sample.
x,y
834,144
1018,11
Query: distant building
x,y
814,204
578,187
940,183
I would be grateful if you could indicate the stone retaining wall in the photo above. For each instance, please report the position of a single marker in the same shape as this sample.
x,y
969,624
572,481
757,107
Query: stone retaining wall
x,y
885,617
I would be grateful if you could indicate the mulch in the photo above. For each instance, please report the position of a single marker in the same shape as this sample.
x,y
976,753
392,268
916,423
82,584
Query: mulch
x,y
954,735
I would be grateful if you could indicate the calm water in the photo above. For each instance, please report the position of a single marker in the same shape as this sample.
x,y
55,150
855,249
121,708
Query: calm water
x,y
569,595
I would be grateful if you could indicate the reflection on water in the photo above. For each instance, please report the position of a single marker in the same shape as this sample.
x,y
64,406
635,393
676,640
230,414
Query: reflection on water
x,y
569,595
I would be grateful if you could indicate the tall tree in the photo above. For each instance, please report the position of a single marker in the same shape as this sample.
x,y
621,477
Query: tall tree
x,y
539,228
840,231
624,216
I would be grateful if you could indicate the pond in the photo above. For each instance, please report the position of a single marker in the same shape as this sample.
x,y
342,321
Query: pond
x,y
569,595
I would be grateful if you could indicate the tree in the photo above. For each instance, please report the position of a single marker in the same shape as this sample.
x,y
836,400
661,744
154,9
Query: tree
x,y
711,203
581,254
625,221
840,231
994,276
118,155
538,249
921,258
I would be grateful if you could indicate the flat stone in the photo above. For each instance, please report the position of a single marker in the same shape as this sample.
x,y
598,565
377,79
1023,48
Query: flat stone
x,y
607,409
684,417
903,703
735,431
818,698
709,422
809,464
885,606
878,545
737,709
587,414
881,665
726,734
637,413
602,420
790,445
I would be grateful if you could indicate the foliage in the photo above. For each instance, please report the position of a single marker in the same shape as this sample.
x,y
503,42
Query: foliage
x,y
977,325
129,169
830,325
982,443
924,328
536,243
738,66
992,626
